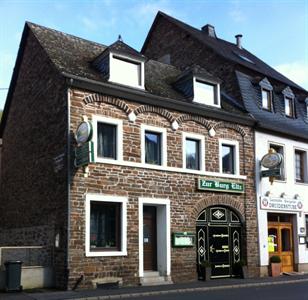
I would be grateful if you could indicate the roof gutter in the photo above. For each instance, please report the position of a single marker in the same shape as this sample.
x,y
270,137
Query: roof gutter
x,y
147,98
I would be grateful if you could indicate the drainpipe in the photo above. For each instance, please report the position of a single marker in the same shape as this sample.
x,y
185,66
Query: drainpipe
x,y
68,145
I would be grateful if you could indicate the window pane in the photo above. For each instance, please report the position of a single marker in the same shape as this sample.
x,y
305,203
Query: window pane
x,y
266,99
285,239
152,148
126,72
204,93
299,166
228,159
287,105
306,218
105,225
279,149
272,240
192,154
106,140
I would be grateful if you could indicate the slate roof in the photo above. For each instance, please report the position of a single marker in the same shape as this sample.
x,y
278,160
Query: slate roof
x,y
276,120
226,49
74,56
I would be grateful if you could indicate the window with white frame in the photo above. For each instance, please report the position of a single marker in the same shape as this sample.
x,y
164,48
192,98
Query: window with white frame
x,y
106,225
108,137
153,145
126,71
206,92
193,151
300,162
266,99
289,106
229,157
278,148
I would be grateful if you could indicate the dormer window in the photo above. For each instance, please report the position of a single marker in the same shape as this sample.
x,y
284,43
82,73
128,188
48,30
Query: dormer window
x,y
266,94
120,63
267,99
289,107
206,92
126,71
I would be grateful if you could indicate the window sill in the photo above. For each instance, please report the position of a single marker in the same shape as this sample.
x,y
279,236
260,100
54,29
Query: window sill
x,y
105,253
139,87
301,183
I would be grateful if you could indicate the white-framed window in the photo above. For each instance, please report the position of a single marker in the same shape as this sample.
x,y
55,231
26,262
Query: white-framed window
x,y
153,145
193,146
289,106
266,99
106,225
108,139
206,92
279,148
126,71
229,160
300,166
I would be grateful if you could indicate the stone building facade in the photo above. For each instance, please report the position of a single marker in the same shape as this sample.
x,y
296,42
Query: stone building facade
x,y
280,108
200,214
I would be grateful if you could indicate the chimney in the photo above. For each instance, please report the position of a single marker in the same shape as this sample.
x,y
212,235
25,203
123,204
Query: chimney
x,y
239,40
209,30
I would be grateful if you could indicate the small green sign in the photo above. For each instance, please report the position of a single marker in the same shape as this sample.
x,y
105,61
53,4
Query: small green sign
x,y
183,239
220,186
271,172
84,154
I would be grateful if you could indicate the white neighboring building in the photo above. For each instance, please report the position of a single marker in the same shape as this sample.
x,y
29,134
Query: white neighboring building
x,y
281,111
283,205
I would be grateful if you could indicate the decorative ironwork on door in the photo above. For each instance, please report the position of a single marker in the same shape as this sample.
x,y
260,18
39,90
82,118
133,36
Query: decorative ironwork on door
x,y
219,240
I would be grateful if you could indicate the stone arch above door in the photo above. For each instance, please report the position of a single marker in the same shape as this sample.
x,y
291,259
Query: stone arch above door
x,y
224,200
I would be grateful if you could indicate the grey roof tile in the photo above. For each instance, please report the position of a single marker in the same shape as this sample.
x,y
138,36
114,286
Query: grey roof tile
x,y
276,120
229,51
74,56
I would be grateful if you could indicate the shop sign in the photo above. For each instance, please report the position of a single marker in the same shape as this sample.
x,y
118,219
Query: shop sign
x,y
271,160
271,173
183,239
281,204
84,154
84,132
220,186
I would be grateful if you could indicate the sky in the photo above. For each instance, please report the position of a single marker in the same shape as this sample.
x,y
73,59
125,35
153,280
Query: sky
x,y
274,30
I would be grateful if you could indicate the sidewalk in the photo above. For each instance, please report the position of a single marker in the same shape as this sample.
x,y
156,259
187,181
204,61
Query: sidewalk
x,y
134,292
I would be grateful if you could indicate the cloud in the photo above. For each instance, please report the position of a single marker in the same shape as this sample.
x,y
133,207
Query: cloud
x,y
146,10
236,12
296,71
88,23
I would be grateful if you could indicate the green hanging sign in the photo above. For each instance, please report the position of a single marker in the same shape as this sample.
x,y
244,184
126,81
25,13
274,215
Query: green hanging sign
x,y
84,154
221,186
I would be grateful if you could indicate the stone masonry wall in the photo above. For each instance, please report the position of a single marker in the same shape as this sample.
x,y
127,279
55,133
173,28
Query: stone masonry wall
x,y
186,201
33,191
168,38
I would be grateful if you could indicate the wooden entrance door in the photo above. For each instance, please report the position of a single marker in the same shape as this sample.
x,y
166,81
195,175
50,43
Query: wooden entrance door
x,y
280,242
219,253
149,238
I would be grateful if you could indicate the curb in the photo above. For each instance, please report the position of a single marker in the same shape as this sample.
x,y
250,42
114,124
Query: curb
x,y
187,290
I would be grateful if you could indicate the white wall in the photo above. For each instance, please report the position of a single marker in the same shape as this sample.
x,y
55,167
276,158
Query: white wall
x,y
289,187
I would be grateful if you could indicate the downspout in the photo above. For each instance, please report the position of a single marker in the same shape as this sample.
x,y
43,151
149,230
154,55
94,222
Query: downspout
x,y
68,145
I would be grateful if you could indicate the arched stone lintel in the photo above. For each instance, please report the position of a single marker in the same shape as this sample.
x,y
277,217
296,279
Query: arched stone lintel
x,y
215,200
109,100
187,117
156,110
235,127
